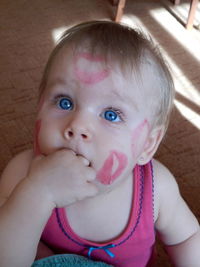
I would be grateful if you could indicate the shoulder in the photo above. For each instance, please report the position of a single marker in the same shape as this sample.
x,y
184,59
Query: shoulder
x,y
163,178
164,186
173,219
14,172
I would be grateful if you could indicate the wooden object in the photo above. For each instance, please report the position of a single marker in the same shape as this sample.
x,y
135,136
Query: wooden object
x,y
191,15
120,9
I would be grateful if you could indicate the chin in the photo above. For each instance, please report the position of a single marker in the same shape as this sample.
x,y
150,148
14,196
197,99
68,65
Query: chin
x,y
103,189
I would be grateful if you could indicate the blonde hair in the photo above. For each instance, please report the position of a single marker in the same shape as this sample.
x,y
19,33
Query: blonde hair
x,y
130,48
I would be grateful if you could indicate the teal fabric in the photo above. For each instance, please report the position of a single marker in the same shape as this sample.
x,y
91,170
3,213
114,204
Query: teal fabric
x,y
68,260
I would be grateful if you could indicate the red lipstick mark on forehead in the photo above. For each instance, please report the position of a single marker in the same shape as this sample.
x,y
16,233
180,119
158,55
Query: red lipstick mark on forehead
x,y
98,74
106,175
36,147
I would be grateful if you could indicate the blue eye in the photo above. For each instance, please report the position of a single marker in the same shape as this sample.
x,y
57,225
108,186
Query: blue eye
x,y
111,115
65,103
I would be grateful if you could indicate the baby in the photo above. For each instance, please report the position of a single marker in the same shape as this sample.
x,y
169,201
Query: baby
x,y
90,186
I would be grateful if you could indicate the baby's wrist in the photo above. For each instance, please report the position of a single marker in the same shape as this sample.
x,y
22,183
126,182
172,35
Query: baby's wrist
x,y
39,192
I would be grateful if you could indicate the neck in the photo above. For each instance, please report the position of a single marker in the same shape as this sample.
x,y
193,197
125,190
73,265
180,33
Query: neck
x,y
112,194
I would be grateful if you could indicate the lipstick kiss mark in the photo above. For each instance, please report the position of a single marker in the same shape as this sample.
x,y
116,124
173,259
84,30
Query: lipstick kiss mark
x,y
137,133
105,174
85,76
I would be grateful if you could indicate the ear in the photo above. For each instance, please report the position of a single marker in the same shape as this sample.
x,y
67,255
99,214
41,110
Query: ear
x,y
151,145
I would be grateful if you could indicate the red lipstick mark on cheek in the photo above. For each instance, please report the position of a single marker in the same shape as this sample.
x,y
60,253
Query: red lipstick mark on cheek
x,y
138,133
36,148
105,174
85,76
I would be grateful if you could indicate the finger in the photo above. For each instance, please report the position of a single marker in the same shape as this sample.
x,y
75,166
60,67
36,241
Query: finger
x,y
65,152
84,160
38,157
91,175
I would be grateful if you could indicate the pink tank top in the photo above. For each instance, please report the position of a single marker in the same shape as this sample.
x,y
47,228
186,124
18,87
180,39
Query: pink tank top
x,y
135,247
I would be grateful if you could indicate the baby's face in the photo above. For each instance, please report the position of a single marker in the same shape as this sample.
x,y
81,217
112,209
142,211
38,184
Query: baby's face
x,y
93,109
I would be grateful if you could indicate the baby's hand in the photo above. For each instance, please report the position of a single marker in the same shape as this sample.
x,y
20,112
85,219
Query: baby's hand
x,y
63,177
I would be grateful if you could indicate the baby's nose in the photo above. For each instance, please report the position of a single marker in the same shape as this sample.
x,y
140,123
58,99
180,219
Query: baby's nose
x,y
78,128
71,133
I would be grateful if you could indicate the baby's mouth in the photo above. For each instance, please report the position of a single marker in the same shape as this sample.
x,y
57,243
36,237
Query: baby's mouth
x,y
78,154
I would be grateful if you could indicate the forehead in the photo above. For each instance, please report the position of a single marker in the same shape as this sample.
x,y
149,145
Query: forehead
x,y
85,53
84,58
96,71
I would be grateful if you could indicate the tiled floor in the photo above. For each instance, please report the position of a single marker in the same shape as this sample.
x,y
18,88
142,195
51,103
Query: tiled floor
x,y
28,30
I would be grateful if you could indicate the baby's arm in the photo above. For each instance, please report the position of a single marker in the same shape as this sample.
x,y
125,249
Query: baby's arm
x,y
18,241
28,198
177,226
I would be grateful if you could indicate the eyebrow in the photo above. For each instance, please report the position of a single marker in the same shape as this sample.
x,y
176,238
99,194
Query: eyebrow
x,y
112,92
124,99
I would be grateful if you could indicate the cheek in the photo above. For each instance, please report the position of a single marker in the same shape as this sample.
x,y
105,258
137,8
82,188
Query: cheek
x,y
40,104
46,137
85,59
37,150
112,167
138,136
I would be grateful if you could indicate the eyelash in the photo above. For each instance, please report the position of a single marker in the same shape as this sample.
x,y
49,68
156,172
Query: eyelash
x,y
118,112
56,100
